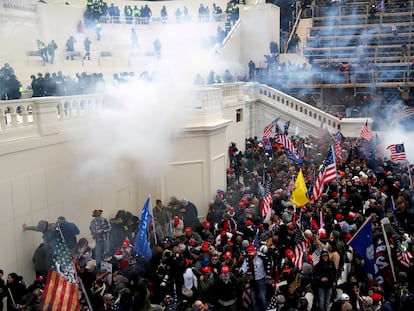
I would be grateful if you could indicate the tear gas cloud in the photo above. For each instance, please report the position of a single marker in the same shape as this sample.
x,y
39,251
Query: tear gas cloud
x,y
137,126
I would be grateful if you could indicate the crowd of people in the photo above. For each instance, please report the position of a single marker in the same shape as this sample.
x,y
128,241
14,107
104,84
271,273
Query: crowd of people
x,y
58,84
99,11
237,258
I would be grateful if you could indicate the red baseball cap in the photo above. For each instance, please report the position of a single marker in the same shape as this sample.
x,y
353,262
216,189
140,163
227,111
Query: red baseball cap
x,y
251,250
205,246
228,255
289,253
225,269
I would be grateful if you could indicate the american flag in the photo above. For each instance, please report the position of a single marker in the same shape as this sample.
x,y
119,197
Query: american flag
x,y
397,152
408,112
338,149
316,256
285,142
403,257
300,248
246,296
267,201
269,128
61,290
327,174
365,133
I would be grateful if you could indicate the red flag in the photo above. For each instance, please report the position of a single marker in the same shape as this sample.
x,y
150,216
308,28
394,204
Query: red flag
x,y
365,133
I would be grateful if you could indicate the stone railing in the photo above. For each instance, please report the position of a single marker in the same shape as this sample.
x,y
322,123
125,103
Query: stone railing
x,y
310,117
40,116
18,6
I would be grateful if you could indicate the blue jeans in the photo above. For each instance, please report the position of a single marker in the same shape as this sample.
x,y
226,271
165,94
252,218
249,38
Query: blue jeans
x,y
325,295
258,290
101,248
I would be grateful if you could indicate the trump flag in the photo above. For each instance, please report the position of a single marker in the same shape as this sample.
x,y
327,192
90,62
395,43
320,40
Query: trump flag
x,y
141,245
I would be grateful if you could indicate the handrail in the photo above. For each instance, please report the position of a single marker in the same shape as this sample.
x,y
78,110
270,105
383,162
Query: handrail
x,y
293,30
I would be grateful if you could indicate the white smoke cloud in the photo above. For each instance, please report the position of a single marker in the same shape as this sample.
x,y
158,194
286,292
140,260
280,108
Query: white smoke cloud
x,y
142,117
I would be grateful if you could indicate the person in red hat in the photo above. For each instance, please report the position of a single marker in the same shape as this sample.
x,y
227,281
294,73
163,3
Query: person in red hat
x,y
257,272
226,290
205,247
124,255
206,233
192,237
228,221
178,226
222,239
376,301
206,285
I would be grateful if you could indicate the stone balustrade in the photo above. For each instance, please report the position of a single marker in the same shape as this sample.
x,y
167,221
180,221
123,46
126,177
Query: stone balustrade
x,y
41,116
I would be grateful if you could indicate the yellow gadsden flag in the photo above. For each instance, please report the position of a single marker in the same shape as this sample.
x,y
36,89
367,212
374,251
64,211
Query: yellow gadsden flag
x,y
299,197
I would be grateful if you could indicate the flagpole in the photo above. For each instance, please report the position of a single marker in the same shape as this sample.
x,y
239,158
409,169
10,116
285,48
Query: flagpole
x,y
409,174
154,227
86,294
387,243
362,226
12,298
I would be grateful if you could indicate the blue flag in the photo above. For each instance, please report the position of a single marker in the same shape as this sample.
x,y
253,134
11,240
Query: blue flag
x,y
141,246
363,243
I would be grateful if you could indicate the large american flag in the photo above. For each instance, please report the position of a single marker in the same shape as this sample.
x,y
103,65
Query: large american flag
x,y
61,291
397,152
338,149
365,132
327,174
